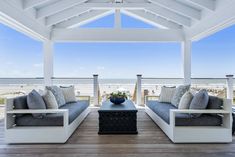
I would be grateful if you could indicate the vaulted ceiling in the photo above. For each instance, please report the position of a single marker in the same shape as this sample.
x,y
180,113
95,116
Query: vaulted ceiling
x,y
190,16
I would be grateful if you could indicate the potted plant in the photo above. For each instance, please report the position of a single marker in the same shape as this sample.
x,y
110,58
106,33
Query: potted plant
x,y
118,97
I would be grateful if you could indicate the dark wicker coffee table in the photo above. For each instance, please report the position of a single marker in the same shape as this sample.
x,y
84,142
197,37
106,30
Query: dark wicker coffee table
x,y
118,119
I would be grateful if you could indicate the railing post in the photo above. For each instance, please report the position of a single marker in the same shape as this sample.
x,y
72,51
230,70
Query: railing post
x,y
139,94
229,87
96,90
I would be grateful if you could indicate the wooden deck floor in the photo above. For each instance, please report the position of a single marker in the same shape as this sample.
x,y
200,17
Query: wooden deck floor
x,y
85,142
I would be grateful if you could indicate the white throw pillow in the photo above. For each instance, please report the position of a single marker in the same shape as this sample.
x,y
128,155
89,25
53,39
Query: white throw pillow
x,y
69,94
166,94
50,100
185,100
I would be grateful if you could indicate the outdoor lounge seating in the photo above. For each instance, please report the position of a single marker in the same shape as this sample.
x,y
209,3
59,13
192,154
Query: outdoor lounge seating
x,y
55,127
214,125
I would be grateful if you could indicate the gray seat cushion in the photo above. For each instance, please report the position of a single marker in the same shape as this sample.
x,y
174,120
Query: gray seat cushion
x,y
163,111
75,109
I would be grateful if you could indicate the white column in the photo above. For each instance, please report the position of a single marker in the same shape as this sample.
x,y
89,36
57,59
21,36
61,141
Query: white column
x,y
118,22
96,90
229,87
186,58
138,90
48,62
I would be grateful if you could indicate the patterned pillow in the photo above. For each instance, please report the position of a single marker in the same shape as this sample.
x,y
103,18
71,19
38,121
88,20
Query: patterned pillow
x,y
179,92
50,100
57,92
166,94
185,100
69,94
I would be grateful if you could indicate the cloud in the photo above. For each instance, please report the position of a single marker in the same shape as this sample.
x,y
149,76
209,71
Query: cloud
x,y
100,68
38,65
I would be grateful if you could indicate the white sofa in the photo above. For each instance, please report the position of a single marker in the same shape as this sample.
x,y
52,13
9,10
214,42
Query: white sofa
x,y
40,134
195,134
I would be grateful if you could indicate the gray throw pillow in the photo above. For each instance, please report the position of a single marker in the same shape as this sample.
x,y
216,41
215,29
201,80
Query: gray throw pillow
x,y
69,94
199,102
20,103
57,92
179,92
50,100
215,103
185,100
35,101
166,94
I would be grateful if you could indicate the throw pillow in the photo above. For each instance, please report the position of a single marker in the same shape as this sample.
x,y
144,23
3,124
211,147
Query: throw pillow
x,y
166,94
35,101
69,94
20,103
215,103
57,92
179,92
199,102
50,100
185,100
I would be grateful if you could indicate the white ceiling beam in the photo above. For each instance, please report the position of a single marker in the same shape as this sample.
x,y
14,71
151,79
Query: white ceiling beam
x,y
179,8
223,17
28,4
151,19
21,21
206,4
83,19
117,19
64,15
182,20
57,7
116,35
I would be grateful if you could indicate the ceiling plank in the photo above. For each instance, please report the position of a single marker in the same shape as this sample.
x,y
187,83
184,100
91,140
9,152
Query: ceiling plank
x,y
151,19
207,4
179,8
116,35
28,4
83,18
165,13
57,7
64,15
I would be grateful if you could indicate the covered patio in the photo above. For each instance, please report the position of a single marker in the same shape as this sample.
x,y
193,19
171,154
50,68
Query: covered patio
x,y
58,21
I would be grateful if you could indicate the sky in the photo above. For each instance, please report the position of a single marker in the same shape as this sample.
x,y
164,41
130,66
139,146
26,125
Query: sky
x,y
212,57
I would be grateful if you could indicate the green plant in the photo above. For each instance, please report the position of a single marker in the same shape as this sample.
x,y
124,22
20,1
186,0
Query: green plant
x,y
2,100
118,95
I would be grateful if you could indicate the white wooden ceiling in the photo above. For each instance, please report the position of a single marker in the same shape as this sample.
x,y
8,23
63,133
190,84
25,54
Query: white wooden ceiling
x,y
192,17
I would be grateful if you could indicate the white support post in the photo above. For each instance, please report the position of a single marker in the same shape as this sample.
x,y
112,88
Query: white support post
x,y
48,62
96,90
138,90
186,58
118,23
229,87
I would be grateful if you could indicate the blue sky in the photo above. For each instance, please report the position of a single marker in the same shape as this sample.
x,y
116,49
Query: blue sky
x,y
22,56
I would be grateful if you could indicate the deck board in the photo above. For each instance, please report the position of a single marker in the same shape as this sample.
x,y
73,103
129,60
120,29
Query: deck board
x,y
85,142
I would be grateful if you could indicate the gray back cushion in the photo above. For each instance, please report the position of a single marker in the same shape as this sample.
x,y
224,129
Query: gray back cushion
x,y
199,101
59,96
215,103
35,101
20,103
179,92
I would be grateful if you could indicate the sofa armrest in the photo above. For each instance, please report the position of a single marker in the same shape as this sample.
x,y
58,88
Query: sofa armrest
x,y
30,111
190,111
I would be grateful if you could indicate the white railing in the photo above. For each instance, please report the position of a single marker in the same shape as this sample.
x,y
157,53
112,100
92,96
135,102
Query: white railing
x,y
222,87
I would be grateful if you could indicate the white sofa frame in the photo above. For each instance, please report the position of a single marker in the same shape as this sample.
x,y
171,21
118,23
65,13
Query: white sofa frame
x,y
196,134
39,134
